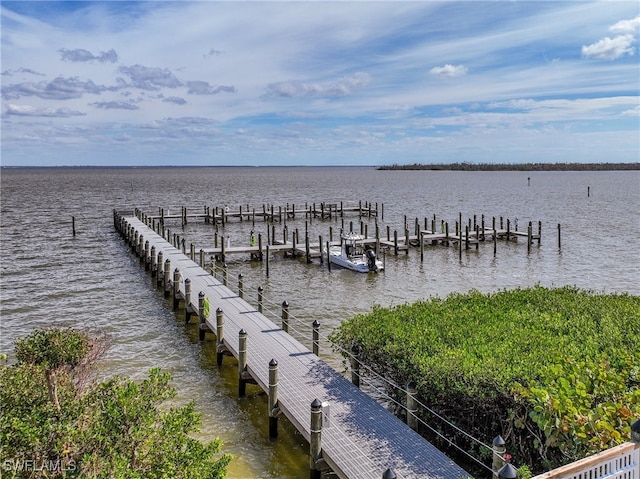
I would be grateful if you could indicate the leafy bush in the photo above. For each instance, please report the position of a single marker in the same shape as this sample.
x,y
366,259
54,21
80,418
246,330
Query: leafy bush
x,y
116,428
492,362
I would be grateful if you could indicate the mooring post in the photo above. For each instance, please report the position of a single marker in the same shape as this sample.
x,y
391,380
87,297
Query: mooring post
x,y
187,301
240,286
73,225
499,449
316,337
167,277
315,442
154,264
320,248
203,312
274,410
421,239
539,231
160,272
260,298
495,241
412,406
529,237
242,362
260,246
140,249
395,242
176,288
328,255
219,336
285,316
355,365
559,241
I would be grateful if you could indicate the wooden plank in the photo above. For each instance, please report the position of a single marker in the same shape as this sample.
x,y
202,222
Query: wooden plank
x,y
363,439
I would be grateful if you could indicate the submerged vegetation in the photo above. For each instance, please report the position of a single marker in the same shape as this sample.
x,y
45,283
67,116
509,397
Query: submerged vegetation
x,y
555,371
55,422
515,166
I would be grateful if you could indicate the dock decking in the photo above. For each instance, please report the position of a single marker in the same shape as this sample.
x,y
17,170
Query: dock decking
x,y
362,439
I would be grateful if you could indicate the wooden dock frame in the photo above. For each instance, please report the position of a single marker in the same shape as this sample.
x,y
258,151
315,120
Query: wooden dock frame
x,y
364,440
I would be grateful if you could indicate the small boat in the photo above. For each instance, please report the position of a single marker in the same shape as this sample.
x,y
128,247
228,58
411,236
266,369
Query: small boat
x,y
353,254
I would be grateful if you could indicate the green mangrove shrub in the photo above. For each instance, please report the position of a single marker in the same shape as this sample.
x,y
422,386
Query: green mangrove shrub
x,y
553,370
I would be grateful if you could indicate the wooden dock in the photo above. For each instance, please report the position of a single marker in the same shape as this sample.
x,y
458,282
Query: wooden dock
x,y
348,431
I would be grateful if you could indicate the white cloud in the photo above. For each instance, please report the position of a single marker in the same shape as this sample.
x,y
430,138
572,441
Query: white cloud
x,y
610,48
449,71
27,110
344,86
627,26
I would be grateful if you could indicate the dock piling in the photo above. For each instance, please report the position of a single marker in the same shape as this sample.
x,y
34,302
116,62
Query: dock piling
x,y
220,348
412,406
242,362
355,365
316,337
274,410
285,316
315,442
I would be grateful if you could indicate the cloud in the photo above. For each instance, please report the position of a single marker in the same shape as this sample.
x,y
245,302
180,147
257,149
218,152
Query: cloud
x,y
449,71
203,88
22,70
81,55
151,78
116,105
344,86
175,99
213,53
26,110
627,26
610,48
58,89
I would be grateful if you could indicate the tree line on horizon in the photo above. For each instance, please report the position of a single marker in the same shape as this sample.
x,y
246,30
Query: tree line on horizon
x,y
514,166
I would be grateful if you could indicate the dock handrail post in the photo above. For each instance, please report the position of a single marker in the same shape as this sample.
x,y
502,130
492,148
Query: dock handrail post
x,y
225,273
389,474
412,406
260,298
160,272
316,337
273,398
202,316
146,256
154,264
285,316
219,336
240,286
315,441
202,265
187,301
242,362
167,277
176,288
499,449
355,365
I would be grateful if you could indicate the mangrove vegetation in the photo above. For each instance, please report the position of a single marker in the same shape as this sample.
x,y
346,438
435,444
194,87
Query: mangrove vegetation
x,y
555,371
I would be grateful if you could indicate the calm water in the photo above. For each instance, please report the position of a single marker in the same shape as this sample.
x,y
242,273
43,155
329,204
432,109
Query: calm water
x,y
92,281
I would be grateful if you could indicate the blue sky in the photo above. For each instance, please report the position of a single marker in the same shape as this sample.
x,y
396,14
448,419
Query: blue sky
x,y
319,83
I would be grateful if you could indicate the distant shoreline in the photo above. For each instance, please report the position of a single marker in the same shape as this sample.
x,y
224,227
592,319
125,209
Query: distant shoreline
x,y
516,167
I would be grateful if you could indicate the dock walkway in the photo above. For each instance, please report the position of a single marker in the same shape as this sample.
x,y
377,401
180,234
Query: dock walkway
x,y
362,439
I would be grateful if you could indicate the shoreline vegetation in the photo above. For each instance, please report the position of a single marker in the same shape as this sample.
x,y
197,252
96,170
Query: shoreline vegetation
x,y
515,166
554,371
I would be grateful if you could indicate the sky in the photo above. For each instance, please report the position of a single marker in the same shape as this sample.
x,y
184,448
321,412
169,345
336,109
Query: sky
x,y
114,83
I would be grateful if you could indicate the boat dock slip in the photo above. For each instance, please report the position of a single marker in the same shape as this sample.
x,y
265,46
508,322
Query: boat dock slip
x,y
348,431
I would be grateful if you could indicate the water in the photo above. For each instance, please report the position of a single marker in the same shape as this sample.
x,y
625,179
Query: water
x,y
48,277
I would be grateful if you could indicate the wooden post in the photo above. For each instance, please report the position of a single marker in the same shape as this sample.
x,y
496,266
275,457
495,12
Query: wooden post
x,y
539,231
219,336
225,274
273,398
260,246
176,288
529,237
240,286
160,272
267,265
320,248
260,298
242,362
355,365
202,315
559,241
167,277
395,242
222,252
187,300
412,406
498,453
495,241
154,264
389,474
315,441
316,337
328,255
285,316
307,248
421,239
73,225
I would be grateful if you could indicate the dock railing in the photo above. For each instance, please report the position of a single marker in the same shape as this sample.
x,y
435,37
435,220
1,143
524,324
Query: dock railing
x,y
620,462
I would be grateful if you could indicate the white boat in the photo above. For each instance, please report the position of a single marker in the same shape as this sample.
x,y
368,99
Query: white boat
x,y
352,254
